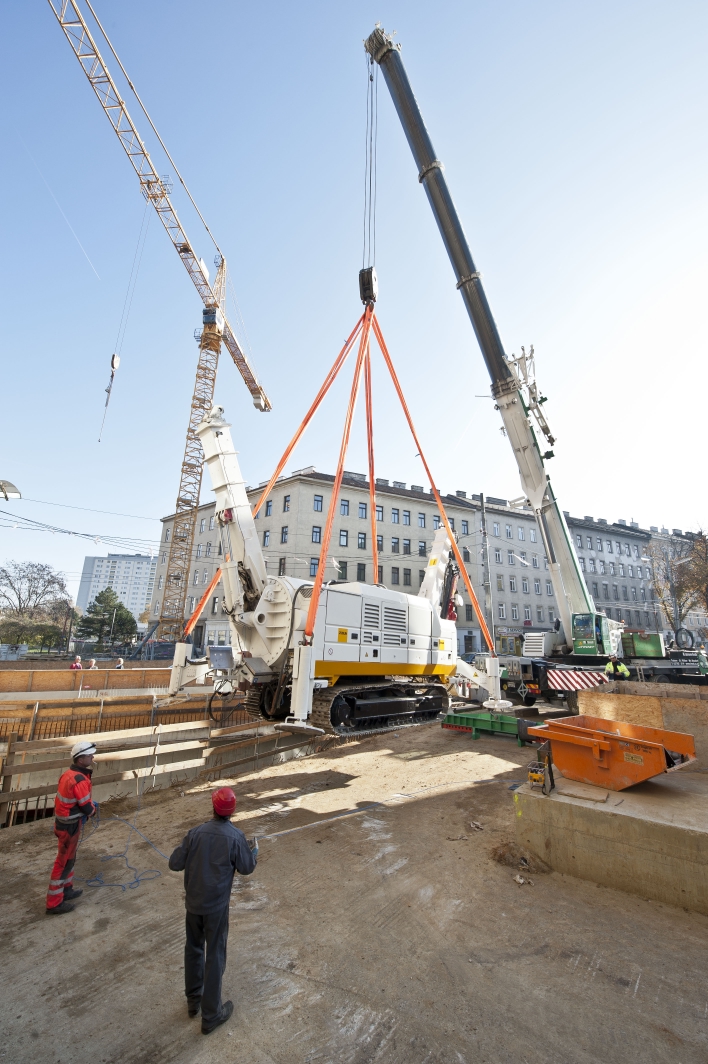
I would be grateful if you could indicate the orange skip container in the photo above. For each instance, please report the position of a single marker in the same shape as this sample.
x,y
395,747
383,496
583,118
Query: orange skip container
x,y
612,754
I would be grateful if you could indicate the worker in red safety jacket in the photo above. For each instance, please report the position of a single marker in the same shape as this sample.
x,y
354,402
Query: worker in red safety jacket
x,y
71,807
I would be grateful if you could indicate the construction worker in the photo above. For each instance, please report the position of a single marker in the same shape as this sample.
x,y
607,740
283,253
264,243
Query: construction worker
x,y
72,806
616,670
702,660
209,855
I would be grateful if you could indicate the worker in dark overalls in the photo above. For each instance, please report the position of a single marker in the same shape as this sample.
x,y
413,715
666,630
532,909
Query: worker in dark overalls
x,y
209,855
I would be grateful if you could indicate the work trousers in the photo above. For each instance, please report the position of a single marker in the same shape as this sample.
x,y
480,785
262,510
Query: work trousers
x,y
202,981
63,870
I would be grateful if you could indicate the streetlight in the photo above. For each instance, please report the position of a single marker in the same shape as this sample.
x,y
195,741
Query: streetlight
x,y
9,491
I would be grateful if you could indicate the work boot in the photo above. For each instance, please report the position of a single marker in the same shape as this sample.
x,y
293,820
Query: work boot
x,y
194,1008
226,1012
63,907
70,894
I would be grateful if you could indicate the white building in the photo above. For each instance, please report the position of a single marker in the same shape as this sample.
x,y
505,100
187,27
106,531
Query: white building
x,y
131,576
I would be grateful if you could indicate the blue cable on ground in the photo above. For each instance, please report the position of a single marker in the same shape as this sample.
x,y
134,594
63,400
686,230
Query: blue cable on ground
x,y
138,877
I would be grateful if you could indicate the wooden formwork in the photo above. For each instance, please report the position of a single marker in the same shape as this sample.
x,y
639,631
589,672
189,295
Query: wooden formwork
x,y
129,756
40,680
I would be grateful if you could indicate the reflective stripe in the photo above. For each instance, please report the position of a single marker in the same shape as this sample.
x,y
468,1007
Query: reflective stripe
x,y
83,801
66,801
69,819
57,890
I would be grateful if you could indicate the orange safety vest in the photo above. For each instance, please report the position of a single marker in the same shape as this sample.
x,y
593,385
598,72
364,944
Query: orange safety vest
x,y
73,797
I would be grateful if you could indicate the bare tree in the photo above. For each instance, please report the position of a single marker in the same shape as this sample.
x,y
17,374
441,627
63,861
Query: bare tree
x,y
698,568
672,579
31,590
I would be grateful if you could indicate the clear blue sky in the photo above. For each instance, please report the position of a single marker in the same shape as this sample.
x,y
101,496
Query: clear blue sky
x,y
575,143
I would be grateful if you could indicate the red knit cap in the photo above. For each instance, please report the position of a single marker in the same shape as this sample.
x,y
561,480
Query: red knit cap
x,y
224,801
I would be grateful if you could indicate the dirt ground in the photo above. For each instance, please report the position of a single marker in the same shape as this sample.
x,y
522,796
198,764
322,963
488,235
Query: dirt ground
x,y
388,936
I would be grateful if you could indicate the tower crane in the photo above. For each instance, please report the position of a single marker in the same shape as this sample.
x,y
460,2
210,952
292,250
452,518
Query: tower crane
x,y
216,327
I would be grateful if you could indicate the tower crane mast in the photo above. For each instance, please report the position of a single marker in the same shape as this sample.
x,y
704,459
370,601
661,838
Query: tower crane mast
x,y
216,328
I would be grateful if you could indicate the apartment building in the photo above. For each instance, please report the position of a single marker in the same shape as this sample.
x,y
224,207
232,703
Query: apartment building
x,y
131,576
516,591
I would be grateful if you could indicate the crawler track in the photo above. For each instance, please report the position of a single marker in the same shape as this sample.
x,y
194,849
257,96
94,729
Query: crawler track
x,y
370,708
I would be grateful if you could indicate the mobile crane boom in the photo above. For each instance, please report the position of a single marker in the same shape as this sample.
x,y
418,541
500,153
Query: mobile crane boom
x,y
516,409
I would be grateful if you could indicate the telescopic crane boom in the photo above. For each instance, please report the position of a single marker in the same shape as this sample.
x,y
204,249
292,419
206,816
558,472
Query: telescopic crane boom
x,y
507,381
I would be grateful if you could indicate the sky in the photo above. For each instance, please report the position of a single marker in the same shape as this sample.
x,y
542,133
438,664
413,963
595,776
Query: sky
x,y
574,139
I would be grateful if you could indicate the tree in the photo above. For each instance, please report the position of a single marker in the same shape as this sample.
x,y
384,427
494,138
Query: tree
x,y
28,588
698,568
672,579
107,617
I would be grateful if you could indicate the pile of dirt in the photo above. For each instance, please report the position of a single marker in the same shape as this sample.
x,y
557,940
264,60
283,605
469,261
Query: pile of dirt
x,y
514,856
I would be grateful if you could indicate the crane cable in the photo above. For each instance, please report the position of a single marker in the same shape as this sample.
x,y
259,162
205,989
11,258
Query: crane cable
x,y
153,127
368,257
127,304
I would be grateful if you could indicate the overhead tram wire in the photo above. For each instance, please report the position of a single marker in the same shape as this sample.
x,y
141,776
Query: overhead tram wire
x,y
153,127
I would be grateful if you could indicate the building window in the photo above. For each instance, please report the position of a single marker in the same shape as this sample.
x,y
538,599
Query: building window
x,y
202,524
362,509
379,543
532,535
406,578
469,613
539,614
534,561
406,546
579,541
422,550
316,534
599,544
379,513
606,591
196,577
501,608
421,520
601,566
406,517
199,550
615,593
595,592
394,517
625,596
510,557
395,545
164,556
211,523
215,604
512,583
495,529
314,562
549,587
157,608
284,534
465,528
509,531
465,554
639,572
591,565
317,506
612,569
643,594
159,583
498,557
582,564
551,615
627,550
205,576
421,575
281,566
380,574
343,537
537,586
207,552
621,569
394,575
361,572
525,585
436,521
167,535
634,594
527,613
500,581
286,503
514,612
522,556
342,570
361,540
630,570
344,507
269,508
522,535
191,605
266,539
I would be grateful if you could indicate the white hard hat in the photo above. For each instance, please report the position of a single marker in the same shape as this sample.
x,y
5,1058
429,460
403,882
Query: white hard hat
x,y
82,749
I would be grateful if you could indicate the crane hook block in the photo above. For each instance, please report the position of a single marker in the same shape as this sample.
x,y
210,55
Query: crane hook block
x,y
368,285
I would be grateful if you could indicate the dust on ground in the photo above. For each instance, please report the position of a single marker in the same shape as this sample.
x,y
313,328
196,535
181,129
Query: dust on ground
x,y
390,936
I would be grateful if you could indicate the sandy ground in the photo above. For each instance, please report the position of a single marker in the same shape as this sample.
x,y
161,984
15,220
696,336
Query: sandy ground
x,y
379,937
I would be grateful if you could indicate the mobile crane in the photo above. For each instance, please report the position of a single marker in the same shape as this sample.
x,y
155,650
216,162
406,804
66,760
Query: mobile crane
x,y
582,630
377,657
